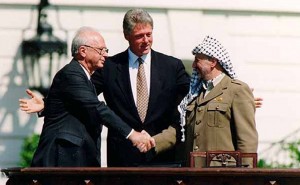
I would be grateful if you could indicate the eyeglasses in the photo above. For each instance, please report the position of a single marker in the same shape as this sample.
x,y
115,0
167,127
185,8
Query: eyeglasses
x,y
101,52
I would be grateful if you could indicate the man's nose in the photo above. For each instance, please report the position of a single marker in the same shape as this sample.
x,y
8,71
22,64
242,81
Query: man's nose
x,y
146,38
105,55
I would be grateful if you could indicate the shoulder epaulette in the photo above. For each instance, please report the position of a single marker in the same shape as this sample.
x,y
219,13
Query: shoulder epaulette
x,y
235,81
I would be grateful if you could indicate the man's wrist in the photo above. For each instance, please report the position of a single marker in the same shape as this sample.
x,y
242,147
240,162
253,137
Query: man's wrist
x,y
40,113
132,130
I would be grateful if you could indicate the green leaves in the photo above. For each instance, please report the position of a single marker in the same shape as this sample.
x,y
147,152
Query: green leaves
x,y
292,149
28,148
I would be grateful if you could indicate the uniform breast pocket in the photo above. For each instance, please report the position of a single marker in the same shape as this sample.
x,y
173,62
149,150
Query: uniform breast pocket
x,y
218,115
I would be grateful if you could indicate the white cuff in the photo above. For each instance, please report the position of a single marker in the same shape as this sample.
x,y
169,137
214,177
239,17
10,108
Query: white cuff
x,y
130,133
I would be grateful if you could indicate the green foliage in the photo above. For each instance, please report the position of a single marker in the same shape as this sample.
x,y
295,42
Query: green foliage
x,y
28,148
262,163
293,149
294,153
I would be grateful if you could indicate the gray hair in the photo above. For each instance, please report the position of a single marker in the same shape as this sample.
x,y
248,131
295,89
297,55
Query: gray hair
x,y
82,37
133,17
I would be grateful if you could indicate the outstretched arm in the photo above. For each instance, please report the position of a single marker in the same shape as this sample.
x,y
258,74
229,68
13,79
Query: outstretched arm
x,y
33,105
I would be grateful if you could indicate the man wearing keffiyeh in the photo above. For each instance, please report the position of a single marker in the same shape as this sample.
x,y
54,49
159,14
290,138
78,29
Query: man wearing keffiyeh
x,y
219,111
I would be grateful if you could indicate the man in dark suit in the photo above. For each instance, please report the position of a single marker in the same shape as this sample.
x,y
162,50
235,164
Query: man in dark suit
x,y
73,113
167,83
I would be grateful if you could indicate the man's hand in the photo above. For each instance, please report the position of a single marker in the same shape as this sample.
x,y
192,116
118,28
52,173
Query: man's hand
x,y
258,102
142,140
144,148
33,105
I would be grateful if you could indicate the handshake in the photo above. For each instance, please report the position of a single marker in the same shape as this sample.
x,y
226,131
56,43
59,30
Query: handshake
x,y
142,140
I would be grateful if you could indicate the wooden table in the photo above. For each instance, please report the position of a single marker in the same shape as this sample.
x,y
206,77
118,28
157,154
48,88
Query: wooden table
x,y
153,176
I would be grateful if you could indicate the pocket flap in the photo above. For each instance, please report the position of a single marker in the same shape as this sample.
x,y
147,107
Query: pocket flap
x,y
76,140
217,107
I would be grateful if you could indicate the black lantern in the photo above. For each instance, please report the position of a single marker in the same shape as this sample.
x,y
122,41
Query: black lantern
x,y
41,52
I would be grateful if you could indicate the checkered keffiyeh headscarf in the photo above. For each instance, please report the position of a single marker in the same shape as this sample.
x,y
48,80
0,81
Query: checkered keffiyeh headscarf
x,y
213,48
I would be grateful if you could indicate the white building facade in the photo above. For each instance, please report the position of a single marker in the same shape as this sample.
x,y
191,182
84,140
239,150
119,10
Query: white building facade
x,y
262,36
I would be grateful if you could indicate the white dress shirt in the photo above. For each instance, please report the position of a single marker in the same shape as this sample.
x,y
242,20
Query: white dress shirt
x,y
133,69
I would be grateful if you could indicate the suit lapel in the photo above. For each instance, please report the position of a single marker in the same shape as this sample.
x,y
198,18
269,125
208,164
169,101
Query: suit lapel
x,y
123,81
80,70
155,87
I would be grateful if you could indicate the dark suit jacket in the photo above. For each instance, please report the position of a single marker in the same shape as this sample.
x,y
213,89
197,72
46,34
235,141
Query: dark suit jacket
x,y
169,83
72,121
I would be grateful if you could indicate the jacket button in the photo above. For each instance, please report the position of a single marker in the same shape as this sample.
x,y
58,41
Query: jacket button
x,y
196,134
196,148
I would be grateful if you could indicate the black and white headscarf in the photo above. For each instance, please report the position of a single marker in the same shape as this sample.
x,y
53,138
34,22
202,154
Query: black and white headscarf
x,y
213,48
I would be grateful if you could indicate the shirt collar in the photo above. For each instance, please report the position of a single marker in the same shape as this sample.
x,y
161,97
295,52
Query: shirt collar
x,y
85,71
133,58
208,85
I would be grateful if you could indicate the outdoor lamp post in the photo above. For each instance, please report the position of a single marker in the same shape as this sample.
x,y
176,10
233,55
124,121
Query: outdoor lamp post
x,y
41,52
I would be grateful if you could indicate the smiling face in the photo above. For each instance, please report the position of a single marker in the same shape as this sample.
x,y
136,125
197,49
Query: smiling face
x,y
204,65
140,39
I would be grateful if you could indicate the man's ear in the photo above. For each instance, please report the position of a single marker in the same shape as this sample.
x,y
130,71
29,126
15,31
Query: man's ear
x,y
82,51
214,62
126,36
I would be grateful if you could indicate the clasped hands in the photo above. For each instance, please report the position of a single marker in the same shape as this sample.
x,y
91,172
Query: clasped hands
x,y
142,140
